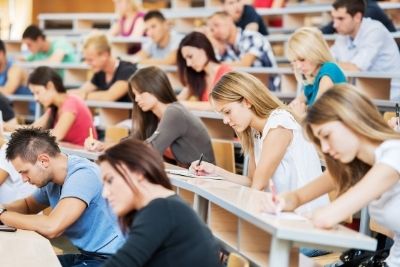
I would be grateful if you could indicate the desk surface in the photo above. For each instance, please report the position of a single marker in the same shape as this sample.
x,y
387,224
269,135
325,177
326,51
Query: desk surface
x,y
26,248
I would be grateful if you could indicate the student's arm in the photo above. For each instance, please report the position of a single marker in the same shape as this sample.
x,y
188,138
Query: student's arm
x,y
42,121
56,57
15,78
67,211
324,84
25,206
82,92
378,180
3,176
253,26
273,150
116,91
184,94
138,29
245,61
63,125
170,59
115,29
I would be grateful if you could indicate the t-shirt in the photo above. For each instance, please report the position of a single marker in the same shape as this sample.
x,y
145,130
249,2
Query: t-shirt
x,y
250,15
218,75
300,164
185,134
58,44
6,108
165,233
123,71
13,187
329,69
154,51
79,129
373,49
96,230
385,209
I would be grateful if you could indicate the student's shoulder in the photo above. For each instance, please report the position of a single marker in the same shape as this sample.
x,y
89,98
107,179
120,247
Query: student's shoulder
x,y
78,165
176,109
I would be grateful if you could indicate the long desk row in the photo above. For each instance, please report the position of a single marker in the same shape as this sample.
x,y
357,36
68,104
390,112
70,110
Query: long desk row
x,y
293,16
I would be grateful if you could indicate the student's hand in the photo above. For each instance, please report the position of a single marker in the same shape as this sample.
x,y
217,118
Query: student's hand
x,y
93,145
271,205
322,218
393,123
299,107
203,169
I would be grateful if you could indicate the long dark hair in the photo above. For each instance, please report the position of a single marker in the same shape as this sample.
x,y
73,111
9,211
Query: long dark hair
x,y
154,81
196,81
139,158
41,76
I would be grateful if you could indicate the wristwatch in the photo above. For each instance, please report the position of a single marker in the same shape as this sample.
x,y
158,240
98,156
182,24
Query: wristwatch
x,y
2,210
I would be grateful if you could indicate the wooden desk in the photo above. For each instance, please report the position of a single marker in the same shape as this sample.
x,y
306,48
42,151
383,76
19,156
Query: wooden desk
x,y
232,213
26,248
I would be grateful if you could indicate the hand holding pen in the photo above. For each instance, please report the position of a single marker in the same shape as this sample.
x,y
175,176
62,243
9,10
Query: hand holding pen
x,y
91,144
202,168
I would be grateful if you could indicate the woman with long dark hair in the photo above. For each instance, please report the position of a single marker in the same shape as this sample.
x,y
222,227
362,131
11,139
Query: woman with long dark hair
x,y
161,229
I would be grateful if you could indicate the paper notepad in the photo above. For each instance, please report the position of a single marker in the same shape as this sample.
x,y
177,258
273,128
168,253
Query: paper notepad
x,y
284,216
186,173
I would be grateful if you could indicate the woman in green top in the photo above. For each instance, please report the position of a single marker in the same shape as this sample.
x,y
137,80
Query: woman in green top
x,y
313,64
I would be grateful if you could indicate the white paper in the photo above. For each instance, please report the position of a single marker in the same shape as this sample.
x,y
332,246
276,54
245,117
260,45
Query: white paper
x,y
186,173
284,216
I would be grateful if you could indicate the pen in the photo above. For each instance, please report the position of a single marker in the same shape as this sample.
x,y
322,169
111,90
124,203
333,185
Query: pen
x,y
397,114
91,136
273,190
201,159
152,137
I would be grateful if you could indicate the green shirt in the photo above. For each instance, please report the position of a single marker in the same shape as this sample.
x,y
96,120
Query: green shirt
x,y
58,44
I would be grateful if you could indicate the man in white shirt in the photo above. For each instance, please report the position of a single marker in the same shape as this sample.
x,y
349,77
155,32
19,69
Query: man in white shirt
x,y
364,44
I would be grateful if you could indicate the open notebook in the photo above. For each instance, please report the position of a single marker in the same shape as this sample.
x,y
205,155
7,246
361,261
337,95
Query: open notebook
x,y
186,173
284,216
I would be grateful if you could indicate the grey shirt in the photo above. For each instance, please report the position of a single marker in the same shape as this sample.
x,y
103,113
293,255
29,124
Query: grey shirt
x,y
154,51
185,134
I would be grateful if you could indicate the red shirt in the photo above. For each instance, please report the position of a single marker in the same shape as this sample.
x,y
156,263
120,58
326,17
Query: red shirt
x,y
220,72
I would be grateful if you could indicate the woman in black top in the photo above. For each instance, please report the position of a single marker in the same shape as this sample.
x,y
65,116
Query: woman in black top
x,y
161,229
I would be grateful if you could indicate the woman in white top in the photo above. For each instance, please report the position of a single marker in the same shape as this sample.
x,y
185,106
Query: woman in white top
x,y
269,133
363,158
12,187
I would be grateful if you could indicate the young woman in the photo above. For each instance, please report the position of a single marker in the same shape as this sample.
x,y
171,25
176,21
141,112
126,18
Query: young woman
x,y
269,133
67,115
313,65
199,70
161,229
363,158
163,122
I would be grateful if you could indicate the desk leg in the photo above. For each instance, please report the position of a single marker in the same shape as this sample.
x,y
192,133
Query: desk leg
x,y
279,255
200,205
364,222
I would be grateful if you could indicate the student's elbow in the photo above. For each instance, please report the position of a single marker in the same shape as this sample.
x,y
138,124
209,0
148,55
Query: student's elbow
x,y
52,230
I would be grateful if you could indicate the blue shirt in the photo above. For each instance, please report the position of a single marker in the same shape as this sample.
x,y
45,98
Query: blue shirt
x,y
329,69
96,230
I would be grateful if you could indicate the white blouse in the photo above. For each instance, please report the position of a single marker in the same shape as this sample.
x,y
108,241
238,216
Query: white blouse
x,y
300,164
385,209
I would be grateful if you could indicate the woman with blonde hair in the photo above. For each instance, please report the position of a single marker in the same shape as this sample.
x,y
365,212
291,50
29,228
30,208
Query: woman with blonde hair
x,y
269,133
130,22
313,64
363,163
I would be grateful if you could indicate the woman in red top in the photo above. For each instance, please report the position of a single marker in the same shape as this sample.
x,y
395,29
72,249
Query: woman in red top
x,y
66,115
199,70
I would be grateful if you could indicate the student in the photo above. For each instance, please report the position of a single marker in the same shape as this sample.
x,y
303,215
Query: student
x,y
45,51
161,229
67,115
130,22
313,65
244,16
199,70
362,156
161,49
242,47
364,44
162,121
71,186
269,133
11,185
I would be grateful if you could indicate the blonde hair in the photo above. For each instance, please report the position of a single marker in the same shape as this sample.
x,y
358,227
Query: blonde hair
x,y
98,41
308,43
237,86
337,104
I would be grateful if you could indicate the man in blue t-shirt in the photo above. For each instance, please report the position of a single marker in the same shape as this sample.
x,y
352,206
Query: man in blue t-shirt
x,y
72,187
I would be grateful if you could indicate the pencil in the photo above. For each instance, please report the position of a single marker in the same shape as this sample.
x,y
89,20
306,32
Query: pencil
x,y
91,136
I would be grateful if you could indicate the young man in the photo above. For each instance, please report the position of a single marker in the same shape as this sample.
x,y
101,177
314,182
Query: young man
x,y
56,51
241,47
364,44
244,16
161,49
72,187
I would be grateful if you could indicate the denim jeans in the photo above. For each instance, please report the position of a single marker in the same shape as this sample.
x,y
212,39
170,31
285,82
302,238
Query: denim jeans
x,y
82,260
311,252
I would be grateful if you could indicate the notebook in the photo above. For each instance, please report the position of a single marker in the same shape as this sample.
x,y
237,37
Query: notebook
x,y
186,173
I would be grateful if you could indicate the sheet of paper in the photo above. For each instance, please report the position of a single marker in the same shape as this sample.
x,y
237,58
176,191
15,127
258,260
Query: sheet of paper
x,y
284,216
186,173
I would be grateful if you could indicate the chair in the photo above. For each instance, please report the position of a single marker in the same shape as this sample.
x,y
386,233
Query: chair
x,y
114,134
224,153
236,260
